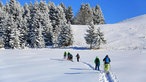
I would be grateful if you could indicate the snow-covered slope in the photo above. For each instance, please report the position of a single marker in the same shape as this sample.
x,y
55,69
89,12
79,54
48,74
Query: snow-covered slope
x,y
129,34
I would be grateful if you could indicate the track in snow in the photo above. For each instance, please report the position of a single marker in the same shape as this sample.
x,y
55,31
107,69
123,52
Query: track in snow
x,y
107,77
104,77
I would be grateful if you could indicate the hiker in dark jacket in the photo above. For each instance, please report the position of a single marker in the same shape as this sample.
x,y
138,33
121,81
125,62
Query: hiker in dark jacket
x,y
78,57
106,63
97,63
70,56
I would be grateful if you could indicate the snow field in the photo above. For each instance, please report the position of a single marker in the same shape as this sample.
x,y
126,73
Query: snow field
x,y
48,65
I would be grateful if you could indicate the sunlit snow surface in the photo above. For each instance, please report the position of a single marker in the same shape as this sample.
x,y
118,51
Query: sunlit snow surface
x,y
48,65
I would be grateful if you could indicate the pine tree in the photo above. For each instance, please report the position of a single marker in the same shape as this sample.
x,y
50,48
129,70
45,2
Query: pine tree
x,y
65,37
69,15
7,31
45,23
2,23
14,9
23,32
40,39
14,38
53,14
101,39
11,33
35,36
98,16
26,14
84,16
26,22
63,7
54,17
93,38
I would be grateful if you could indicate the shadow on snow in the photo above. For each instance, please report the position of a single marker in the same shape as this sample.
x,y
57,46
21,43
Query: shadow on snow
x,y
88,65
75,73
58,59
79,69
80,48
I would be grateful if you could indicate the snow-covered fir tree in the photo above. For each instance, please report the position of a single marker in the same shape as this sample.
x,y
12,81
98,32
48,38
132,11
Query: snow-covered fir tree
x,y
54,17
14,8
26,23
84,16
69,15
101,39
46,23
34,29
11,33
16,11
23,32
61,17
2,23
65,35
65,38
98,16
26,15
7,30
91,36
63,7
94,38
40,39
14,38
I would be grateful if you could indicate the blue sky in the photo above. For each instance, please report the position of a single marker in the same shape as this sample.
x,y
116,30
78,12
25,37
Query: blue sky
x,y
113,10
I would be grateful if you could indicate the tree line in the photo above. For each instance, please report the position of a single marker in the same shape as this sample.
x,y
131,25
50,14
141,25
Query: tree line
x,y
40,24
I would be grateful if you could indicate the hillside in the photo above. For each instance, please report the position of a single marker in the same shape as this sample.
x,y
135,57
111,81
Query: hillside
x,y
128,34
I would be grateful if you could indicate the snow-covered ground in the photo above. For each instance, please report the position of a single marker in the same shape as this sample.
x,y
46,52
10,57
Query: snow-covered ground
x,y
48,65
126,43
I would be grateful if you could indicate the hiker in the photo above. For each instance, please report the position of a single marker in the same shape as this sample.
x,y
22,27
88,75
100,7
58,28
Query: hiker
x,y
65,55
78,57
70,56
97,63
106,63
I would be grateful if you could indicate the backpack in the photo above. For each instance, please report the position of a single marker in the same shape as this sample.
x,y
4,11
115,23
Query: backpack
x,y
107,60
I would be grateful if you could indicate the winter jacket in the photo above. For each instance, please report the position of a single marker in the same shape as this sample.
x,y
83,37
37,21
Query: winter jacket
x,y
97,61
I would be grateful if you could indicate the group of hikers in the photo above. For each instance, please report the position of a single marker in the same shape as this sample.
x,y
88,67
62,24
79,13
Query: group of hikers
x,y
106,61
69,56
